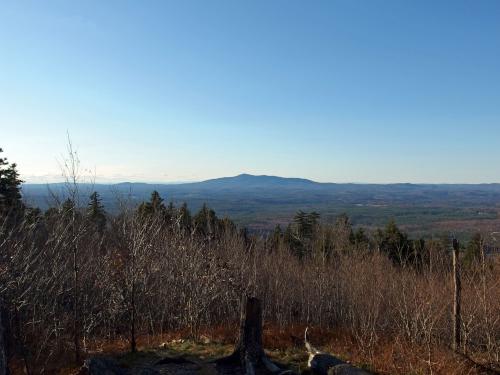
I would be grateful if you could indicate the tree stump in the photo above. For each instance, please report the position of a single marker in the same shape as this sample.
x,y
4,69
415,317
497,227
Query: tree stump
x,y
248,356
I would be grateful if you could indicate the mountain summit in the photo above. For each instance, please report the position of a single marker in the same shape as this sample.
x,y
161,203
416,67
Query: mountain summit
x,y
245,181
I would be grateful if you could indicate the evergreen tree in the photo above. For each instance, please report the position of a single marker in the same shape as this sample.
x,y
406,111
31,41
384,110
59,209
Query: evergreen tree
x,y
155,205
360,238
157,202
288,237
32,216
474,249
96,213
300,239
394,243
305,224
185,219
50,217
67,208
206,222
343,234
11,205
170,213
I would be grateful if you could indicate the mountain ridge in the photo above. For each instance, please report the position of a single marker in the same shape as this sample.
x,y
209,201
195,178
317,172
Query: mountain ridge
x,y
260,202
272,179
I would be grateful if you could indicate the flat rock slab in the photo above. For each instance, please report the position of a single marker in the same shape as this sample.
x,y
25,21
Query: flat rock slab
x,y
102,366
184,366
165,366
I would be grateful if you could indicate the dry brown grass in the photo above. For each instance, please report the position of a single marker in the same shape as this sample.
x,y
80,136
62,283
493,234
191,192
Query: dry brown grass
x,y
285,345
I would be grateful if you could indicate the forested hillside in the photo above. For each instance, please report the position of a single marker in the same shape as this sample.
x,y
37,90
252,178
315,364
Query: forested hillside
x,y
261,202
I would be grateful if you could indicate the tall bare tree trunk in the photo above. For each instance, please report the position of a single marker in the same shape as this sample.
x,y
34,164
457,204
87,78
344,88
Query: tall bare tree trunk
x,y
457,321
76,311
133,343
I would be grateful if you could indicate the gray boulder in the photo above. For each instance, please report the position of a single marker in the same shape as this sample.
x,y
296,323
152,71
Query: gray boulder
x,y
320,363
103,366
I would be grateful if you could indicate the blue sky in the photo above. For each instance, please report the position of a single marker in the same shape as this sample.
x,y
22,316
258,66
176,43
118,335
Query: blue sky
x,y
341,91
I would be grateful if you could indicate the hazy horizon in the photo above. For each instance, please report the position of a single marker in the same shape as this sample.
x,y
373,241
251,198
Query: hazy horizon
x,y
86,179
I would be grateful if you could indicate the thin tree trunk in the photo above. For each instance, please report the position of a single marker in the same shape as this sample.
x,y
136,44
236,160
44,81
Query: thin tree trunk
x,y
20,341
4,369
76,315
457,321
133,344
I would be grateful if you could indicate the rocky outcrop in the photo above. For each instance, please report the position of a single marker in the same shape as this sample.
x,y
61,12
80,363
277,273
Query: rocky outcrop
x,y
322,363
326,364
102,366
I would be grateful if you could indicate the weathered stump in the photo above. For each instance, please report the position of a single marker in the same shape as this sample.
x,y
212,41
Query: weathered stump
x,y
250,341
248,355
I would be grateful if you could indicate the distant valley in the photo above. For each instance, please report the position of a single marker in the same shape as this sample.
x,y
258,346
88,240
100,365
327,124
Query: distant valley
x,y
261,202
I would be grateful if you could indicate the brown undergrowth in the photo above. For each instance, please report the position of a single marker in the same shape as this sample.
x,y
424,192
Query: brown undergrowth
x,y
284,345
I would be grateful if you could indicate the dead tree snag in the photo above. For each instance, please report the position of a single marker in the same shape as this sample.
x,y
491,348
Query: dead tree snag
x,y
249,354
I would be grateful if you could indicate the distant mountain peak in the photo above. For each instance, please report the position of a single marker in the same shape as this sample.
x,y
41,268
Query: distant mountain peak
x,y
264,177
246,180
248,175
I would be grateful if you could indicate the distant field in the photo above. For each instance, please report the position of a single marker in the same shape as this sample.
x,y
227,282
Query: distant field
x,y
418,221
